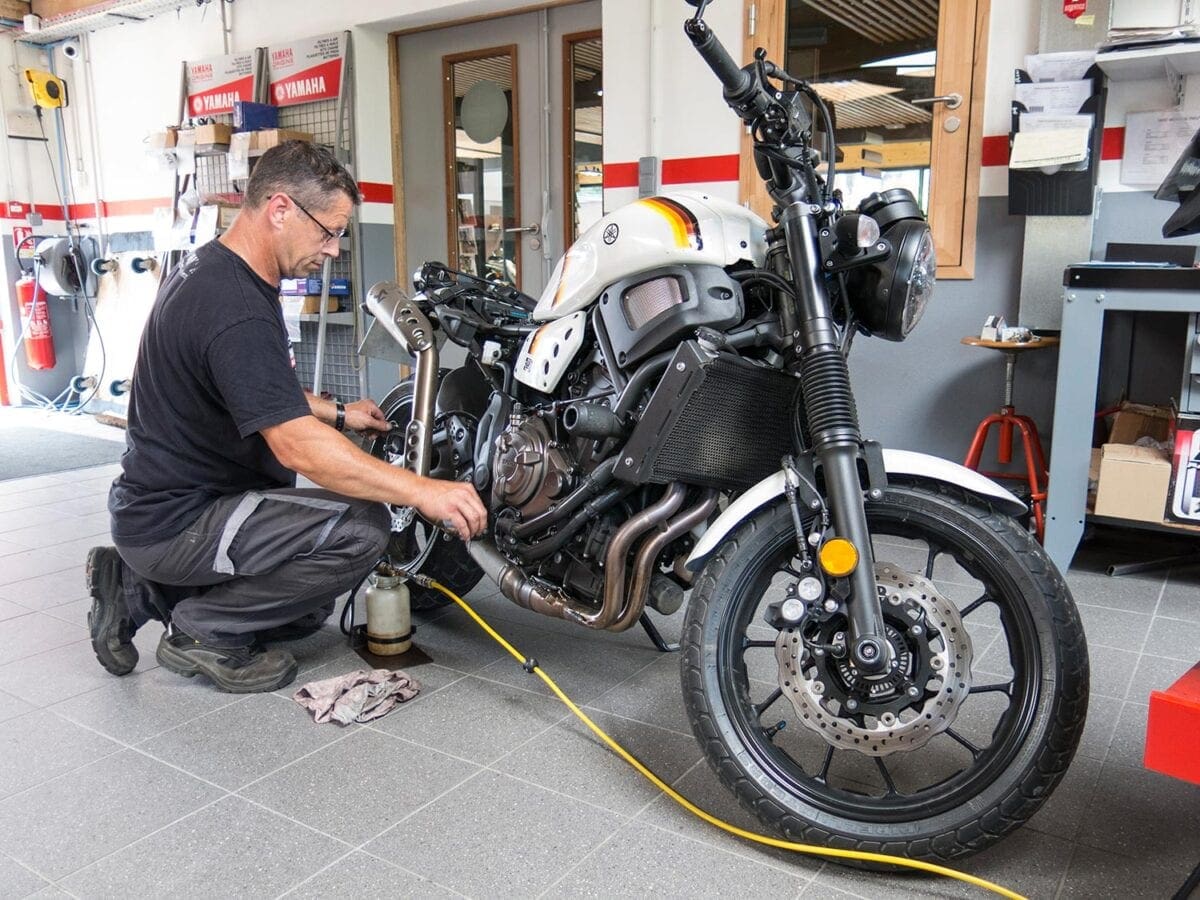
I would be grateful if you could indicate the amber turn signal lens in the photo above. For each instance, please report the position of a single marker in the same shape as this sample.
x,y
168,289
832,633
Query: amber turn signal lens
x,y
838,557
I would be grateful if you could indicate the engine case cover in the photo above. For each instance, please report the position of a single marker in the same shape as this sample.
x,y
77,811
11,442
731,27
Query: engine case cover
x,y
547,352
685,229
530,470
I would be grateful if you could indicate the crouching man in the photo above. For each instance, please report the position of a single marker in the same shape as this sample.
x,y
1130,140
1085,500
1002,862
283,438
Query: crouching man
x,y
212,536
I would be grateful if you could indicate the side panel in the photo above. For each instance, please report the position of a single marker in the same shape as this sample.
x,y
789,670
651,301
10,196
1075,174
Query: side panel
x,y
896,462
547,352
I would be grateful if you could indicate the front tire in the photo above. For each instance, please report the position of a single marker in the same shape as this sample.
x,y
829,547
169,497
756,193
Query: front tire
x,y
1022,708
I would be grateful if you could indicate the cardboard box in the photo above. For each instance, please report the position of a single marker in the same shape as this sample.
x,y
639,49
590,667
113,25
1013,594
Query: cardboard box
x,y
163,140
216,134
270,137
1135,420
1133,482
313,305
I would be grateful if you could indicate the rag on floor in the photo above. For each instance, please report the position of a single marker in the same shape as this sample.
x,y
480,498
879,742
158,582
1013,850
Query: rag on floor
x,y
359,696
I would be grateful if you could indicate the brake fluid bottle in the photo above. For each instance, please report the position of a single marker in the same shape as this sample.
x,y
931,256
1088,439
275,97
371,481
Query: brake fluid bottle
x,y
389,619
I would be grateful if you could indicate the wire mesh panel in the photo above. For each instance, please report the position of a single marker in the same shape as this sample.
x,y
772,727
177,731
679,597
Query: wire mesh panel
x,y
339,377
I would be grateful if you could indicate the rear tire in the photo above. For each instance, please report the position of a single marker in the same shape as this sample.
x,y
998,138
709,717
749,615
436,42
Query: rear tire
x,y
448,563
787,777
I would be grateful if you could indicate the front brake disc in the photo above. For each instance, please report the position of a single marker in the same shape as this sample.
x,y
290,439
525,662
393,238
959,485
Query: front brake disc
x,y
814,689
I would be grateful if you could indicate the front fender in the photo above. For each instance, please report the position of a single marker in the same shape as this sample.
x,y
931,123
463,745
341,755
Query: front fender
x,y
896,462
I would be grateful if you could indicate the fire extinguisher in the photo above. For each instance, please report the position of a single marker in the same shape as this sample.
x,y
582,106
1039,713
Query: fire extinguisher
x,y
35,324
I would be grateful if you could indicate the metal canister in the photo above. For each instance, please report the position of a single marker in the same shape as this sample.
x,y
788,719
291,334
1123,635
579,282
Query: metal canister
x,y
389,618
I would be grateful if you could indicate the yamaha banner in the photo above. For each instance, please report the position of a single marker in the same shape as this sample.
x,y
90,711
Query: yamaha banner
x,y
306,70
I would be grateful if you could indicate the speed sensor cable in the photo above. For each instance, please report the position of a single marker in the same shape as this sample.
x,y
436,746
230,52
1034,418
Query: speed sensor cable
x,y
530,665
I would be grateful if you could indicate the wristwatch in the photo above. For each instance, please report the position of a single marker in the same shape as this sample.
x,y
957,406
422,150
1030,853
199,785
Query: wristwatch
x,y
340,422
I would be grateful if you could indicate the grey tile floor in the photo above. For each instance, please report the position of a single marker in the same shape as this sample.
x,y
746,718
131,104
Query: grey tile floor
x,y
152,785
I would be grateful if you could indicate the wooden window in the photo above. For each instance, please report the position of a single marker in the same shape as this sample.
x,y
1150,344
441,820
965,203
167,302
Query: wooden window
x,y
869,61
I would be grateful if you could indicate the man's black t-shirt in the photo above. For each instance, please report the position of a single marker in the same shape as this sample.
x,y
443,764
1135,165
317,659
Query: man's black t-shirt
x,y
213,369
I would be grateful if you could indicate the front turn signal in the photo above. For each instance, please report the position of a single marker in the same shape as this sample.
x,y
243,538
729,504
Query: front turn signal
x,y
838,557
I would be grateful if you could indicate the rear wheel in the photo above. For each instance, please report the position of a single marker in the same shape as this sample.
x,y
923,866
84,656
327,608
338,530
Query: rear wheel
x,y
954,747
447,562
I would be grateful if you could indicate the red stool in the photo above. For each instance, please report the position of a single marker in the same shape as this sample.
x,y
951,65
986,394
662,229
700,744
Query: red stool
x,y
1036,474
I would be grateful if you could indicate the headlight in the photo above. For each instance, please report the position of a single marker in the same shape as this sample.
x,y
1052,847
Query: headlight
x,y
888,297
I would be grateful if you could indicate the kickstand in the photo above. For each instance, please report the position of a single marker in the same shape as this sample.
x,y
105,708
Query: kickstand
x,y
1167,562
655,637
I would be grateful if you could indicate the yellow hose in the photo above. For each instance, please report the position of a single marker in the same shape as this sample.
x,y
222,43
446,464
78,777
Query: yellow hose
x,y
812,849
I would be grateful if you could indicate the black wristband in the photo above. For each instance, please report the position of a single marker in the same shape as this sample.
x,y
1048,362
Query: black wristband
x,y
340,422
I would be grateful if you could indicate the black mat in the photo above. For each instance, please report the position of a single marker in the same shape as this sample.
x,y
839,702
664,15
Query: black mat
x,y
26,450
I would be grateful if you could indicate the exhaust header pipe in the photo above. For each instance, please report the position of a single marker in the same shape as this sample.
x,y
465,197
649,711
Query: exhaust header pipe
x,y
404,321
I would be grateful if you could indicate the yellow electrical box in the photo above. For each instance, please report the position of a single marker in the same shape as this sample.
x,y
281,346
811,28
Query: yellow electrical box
x,y
49,91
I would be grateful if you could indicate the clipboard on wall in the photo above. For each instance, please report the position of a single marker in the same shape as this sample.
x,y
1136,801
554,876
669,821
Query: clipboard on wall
x,y
1070,190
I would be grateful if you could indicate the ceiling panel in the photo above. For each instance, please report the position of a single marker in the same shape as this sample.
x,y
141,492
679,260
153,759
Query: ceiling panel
x,y
883,21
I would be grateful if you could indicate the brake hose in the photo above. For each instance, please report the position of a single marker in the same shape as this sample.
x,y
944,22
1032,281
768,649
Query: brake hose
x,y
530,665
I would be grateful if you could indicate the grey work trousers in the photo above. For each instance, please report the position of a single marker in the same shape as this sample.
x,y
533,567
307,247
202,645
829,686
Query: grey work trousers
x,y
254,561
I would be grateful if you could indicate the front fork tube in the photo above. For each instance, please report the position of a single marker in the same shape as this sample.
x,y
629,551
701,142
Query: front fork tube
x,y
833,426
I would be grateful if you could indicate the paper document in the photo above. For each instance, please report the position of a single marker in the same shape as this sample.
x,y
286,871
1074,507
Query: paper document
x,y
1153,141
1056,97
1049,149
1048,122
1069,66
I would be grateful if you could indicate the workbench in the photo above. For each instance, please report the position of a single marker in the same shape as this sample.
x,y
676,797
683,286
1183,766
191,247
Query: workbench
x,y
1090,293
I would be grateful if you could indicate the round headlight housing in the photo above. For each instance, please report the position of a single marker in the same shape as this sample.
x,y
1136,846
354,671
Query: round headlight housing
x,y
889,297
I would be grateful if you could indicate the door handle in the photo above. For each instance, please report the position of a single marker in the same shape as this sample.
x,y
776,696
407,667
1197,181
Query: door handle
x,y
952,101
535,228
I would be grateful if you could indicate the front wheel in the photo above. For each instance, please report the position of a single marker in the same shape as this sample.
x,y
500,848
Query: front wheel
x,y
955,746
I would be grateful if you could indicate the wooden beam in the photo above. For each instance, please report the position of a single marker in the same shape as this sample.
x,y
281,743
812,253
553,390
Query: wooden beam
x,y
14,9
888,155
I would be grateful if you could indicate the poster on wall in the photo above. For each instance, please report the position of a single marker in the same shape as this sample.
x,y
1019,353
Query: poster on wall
x,y
306,70
213,84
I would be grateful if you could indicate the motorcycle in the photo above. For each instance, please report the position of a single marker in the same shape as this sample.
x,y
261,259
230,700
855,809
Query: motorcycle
x,y
876,653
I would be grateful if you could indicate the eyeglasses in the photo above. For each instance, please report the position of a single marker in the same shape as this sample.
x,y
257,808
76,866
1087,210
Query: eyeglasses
x,y
330,235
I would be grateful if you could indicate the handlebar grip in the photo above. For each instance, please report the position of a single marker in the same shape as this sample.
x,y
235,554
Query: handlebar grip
x,y
735,81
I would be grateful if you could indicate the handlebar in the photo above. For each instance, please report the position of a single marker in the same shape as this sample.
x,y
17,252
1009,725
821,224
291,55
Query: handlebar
x,y
738,83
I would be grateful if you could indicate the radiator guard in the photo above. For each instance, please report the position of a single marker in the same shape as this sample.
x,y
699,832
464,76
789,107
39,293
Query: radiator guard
x,y
714,420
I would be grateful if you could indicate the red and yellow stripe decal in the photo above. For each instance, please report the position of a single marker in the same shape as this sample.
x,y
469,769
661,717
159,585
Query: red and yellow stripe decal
x,y
683,224
562,282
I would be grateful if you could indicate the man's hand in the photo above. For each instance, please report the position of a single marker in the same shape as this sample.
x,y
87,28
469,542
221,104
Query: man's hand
x,y
365,417
452,504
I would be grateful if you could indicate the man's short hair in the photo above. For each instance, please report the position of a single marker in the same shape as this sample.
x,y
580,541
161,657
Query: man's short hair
x,y
308,173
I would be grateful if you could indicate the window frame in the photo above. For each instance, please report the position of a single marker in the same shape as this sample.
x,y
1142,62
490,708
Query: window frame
x,y
954,189
568,139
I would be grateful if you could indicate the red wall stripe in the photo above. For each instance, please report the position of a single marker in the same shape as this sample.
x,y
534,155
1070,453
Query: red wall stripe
x,y
621,175
994,151
1112,146
373,192
700,168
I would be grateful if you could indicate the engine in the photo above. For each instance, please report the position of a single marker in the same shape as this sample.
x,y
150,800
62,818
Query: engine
x,y
530,469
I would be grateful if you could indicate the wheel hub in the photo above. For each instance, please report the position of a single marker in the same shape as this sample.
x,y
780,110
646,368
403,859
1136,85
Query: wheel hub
x,y
904,707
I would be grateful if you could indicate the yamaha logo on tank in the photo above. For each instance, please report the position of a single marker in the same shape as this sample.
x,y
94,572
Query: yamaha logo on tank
x,y
611,231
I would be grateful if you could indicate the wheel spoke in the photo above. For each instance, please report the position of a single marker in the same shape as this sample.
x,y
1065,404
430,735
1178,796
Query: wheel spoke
x,y
934,552
1005,688
974,605
975,751
747,643
887,777
823,775
760,708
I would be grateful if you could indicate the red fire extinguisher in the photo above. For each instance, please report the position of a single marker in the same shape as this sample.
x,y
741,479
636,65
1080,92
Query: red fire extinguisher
x,y
35,324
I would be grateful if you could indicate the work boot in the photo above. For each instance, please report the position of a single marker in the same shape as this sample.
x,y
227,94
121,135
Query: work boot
x,y
109,621
235,670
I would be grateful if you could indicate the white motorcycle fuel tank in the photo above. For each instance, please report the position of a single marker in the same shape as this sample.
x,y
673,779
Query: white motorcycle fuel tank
x,y
677,229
